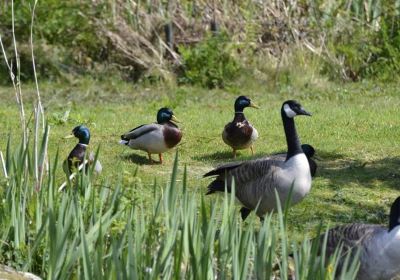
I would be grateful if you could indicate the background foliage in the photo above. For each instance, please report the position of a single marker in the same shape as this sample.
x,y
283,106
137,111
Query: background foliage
x,y
351,39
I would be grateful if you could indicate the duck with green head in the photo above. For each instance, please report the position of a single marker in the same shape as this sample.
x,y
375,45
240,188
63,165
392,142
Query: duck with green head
x,y
239,133
77,156
155,138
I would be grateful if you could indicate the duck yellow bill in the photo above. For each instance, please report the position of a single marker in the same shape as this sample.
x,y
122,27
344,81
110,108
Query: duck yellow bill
x,y
174,119
252,105
68,136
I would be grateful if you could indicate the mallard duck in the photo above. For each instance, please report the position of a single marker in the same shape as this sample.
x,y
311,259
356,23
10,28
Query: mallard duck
x,y
379,246
239,133
155,138
77,156
257,180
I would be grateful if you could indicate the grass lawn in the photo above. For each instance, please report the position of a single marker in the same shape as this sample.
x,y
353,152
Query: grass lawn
x,y
355,130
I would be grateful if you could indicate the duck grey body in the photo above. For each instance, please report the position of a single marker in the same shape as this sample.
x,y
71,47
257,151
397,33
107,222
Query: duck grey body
x,y
257,180
379,246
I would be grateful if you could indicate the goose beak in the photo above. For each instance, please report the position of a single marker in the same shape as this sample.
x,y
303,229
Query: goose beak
x,y
68,136
252,105
174,119
304,112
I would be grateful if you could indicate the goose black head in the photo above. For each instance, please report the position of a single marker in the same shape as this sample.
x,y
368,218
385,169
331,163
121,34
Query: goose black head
x,y
308,150
82,133
243,102
164,115
292,108
394,219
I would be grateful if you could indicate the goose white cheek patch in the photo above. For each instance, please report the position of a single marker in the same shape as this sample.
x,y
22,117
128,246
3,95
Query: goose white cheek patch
x,y
289,112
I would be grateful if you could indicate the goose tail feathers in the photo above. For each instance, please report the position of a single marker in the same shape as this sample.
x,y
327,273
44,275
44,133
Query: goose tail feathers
x,y
217,186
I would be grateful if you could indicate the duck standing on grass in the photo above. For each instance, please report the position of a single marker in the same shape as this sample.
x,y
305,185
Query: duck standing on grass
x,y
257,180
155,138
239,133
77,156
379,246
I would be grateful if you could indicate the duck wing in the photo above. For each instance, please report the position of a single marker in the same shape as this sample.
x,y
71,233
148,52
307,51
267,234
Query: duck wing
x,y
139,131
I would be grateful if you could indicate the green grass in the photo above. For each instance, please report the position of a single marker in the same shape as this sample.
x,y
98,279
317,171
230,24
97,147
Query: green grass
x,y
355,129
136,217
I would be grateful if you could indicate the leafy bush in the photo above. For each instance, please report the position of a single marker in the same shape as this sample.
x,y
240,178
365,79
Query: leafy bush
x,y
364,44
209,63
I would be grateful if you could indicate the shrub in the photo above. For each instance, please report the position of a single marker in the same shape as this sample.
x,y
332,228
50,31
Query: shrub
x,y
210,63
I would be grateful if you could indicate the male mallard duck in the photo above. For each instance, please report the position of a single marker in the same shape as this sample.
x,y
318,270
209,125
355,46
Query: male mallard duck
x,y
239,133
379,246
155,138
257,180
77,155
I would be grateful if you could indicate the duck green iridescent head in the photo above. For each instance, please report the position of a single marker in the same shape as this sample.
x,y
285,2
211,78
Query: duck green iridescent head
x,y
164,115
243,102
82,133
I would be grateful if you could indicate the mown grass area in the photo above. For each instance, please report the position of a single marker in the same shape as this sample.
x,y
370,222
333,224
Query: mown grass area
x,y
355,129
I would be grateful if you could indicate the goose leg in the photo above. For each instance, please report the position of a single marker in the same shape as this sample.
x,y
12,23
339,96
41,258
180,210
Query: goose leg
x,y
234,153
150,159
252,152
160,156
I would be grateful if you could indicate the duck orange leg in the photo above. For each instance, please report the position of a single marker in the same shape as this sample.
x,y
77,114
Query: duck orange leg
x,y
160,156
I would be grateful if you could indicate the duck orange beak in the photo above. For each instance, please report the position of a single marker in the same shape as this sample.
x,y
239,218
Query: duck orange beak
x,y
252,105
68,136
174,119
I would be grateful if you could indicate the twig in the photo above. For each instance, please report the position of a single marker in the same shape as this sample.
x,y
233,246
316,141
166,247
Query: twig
x,y
72,176
3,164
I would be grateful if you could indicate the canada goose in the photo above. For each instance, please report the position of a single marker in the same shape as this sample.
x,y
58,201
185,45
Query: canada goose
x,y
309,151
379,246
239,133
77,154
257,180
155,138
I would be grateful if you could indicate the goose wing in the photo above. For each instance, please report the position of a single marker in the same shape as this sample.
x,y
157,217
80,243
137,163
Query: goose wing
x,y
220,170
350,236
139,131
242,172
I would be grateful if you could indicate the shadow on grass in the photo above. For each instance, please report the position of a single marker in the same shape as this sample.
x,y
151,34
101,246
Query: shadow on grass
x,y
342,171
137,159
225,155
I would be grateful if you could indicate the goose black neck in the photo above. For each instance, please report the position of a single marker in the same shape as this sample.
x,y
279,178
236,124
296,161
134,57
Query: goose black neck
x,y
292,139
239,117
394,219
